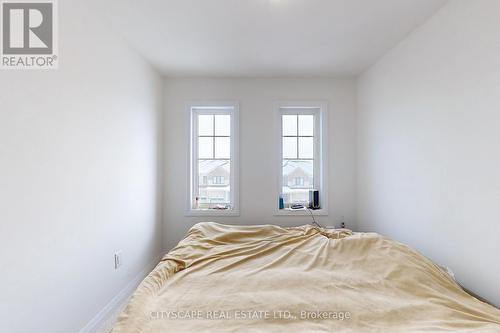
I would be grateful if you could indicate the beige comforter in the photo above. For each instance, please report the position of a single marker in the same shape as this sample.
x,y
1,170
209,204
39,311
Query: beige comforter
x,y
267,278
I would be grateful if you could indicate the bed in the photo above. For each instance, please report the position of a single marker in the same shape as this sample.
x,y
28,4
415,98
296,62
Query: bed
x,y
223,278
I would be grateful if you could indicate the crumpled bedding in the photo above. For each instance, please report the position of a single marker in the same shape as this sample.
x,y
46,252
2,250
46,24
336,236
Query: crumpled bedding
x,y
225,278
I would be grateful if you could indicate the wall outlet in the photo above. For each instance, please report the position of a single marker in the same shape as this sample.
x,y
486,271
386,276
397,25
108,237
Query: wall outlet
x,y
118,259
342,222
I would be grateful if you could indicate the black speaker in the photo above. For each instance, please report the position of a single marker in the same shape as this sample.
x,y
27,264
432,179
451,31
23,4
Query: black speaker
x,y
314,199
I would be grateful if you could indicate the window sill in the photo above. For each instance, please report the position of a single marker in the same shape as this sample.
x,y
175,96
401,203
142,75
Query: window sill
x,y
212,212
300,212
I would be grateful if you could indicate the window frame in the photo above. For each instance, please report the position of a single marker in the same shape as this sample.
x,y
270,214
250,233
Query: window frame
x,y
320,110
193,109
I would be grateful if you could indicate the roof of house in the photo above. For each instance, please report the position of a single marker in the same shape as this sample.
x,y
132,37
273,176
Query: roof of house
x,y
290,166
208,166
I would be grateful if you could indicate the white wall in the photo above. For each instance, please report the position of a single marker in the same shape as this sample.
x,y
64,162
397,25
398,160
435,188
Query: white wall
x,y
257,192
429,135
78,178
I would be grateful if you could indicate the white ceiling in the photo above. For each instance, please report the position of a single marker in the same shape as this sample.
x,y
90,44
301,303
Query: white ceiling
x,y
264,38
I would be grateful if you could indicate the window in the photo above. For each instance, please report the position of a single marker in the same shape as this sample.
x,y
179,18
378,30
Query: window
x,y
213,188
298,181
219,180
302,154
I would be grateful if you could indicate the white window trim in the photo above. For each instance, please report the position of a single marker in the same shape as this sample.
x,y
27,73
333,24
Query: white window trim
x,y
322,118
191,158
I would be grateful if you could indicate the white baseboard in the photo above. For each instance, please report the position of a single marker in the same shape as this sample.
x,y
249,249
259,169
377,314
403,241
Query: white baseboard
x,y
103,318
